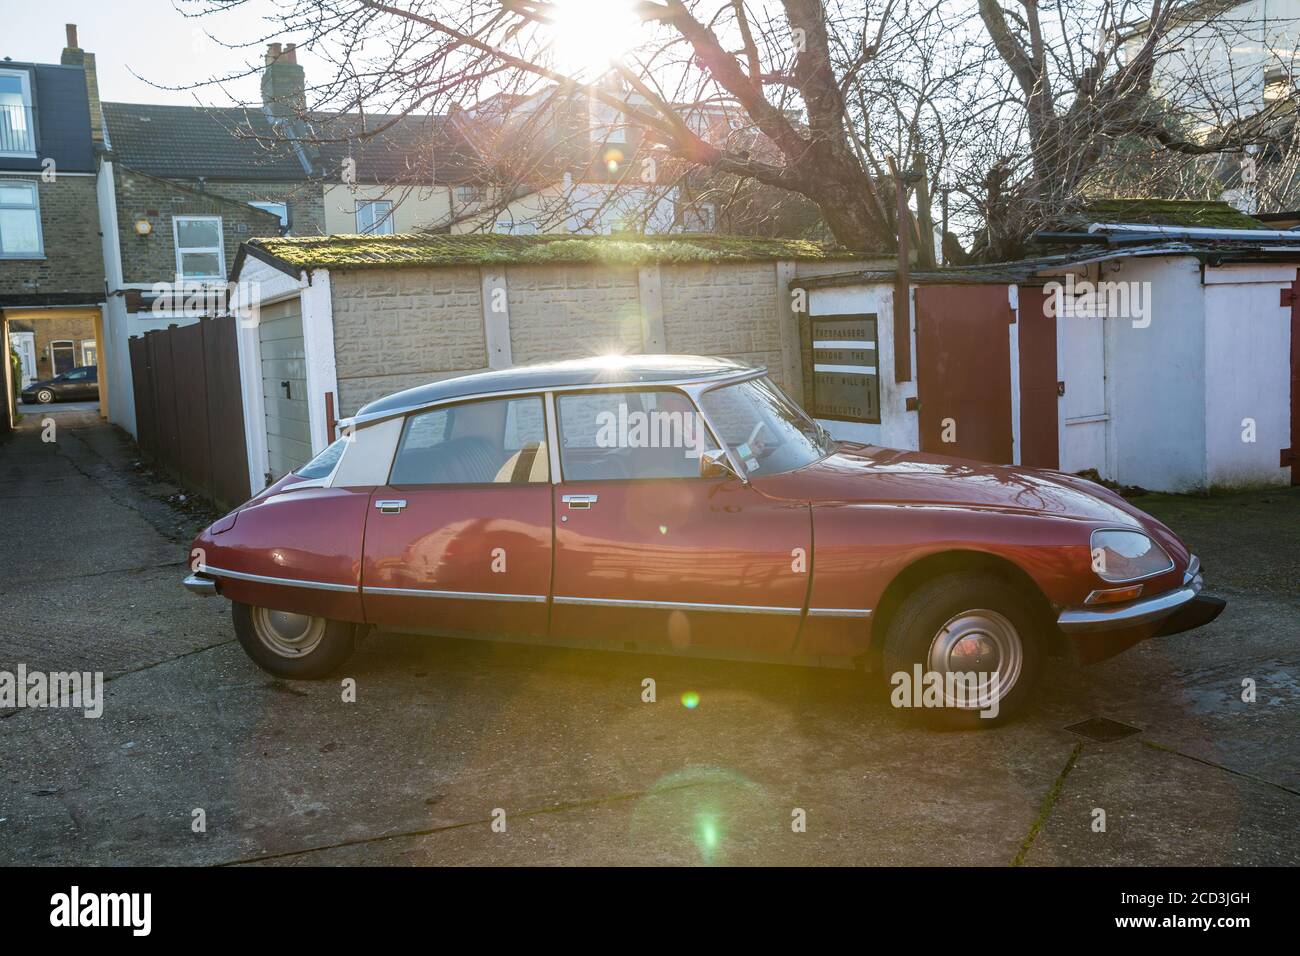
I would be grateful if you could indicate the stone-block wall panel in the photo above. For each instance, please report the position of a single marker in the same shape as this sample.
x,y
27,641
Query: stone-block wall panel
x,y
561,312
73,260
725,310
404,327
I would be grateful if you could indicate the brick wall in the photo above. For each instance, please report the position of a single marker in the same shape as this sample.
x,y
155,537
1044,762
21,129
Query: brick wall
x,y
76,330
306,202
152,258
73,260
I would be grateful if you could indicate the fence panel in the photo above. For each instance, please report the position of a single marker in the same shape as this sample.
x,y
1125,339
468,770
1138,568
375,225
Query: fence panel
x,y
189,407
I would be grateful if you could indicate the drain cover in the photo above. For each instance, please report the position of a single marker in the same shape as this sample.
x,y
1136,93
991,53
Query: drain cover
x,y
1102,729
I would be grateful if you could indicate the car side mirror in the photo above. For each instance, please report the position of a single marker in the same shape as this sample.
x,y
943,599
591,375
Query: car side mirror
x,y
714,464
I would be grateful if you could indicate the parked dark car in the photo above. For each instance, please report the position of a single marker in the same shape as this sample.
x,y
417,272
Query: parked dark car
x,y
75,385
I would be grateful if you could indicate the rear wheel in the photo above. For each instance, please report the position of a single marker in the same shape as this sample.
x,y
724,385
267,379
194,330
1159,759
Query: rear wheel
x,y
291,645
969,641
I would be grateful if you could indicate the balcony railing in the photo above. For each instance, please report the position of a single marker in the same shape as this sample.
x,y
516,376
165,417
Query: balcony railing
x,y
16,129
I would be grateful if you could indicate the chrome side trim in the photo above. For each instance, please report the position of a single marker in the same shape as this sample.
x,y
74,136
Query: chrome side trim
x,y
465,595
267,579
1089,620
860,612
678,605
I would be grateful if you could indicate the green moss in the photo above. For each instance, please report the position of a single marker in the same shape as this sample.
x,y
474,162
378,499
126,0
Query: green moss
x,y
359,252
1170,212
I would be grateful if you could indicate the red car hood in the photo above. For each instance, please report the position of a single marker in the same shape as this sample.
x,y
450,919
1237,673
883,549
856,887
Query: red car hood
x,y
871,474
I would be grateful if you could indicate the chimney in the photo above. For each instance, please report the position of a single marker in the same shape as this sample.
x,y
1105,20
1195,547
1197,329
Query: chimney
x,y
73,55
283,82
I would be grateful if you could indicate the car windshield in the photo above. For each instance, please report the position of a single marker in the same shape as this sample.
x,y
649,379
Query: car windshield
x,y
767,432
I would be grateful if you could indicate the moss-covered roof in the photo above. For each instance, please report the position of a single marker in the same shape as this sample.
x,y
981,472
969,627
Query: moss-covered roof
x,y
1169,212
420,250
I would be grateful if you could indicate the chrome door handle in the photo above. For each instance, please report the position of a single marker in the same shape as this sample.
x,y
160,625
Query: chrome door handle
x,y
391,506
579,501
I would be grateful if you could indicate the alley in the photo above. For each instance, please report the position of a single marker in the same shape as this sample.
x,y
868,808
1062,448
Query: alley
x,y
447,736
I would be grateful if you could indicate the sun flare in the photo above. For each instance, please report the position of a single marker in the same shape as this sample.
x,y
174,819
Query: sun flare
x,y
587,35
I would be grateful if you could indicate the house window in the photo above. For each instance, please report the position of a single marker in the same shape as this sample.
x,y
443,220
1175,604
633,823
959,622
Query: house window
x,y
276,209
199,250
63,354
699,217
375,218
467,195
89,356
20,221
16,135
509,227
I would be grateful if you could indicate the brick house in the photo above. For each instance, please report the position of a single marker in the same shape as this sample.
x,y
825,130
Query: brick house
x,y
51,268
182,187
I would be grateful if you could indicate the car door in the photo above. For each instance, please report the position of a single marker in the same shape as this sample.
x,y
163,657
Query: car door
x,y
649,552
459,540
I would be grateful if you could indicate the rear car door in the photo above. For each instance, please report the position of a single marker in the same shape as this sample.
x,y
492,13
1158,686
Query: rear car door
x,y
459,540
649,552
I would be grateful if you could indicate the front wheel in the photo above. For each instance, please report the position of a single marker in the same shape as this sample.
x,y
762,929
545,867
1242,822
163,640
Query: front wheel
x,y
962,651
44,396
297,646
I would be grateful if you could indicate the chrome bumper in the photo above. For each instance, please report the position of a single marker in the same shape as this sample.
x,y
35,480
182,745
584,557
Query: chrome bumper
x,y
200,584
1086,620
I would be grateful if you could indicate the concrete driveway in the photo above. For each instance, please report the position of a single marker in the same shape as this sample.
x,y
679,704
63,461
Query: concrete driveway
x,y
446,737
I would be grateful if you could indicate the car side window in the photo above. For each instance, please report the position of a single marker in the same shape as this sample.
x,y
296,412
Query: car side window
x,y
613,435
478,443
76,375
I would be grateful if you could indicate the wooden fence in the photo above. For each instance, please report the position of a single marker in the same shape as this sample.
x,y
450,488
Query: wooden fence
x,y
189,412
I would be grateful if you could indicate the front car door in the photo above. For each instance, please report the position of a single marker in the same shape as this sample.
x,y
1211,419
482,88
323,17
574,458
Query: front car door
x,y
648,552
459,540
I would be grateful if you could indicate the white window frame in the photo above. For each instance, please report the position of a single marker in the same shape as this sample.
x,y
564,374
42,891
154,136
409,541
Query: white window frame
x,y
57,343
476,198
25,79
219,248
35,207
93,348
386,220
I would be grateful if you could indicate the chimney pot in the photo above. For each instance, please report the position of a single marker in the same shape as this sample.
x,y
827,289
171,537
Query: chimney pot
x,y
71,29
290,53
272,53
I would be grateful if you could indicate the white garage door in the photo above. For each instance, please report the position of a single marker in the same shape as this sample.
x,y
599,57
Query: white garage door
x,y
284,387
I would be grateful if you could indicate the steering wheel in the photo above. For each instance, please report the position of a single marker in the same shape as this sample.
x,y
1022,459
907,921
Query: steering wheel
x,y
759,450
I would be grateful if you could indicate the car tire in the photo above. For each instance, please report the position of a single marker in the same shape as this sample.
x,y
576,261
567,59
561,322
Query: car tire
x,y
963,622
44,397
296,646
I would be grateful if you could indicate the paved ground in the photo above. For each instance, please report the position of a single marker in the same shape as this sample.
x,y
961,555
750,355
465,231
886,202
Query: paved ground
x,y
58,407
445,732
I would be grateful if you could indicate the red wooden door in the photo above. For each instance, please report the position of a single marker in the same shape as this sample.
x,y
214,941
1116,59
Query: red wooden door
x,y
963,370
1039,442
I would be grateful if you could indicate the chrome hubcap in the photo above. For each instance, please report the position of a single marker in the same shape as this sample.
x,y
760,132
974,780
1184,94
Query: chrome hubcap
x,y
288,634
978,644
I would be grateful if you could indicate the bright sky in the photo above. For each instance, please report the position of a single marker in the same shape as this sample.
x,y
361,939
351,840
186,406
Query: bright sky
x,y
147,36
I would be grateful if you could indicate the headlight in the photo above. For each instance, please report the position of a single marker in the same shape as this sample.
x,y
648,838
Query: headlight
x,y
1127,556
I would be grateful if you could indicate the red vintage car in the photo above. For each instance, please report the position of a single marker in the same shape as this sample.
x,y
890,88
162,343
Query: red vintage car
x,y
681,504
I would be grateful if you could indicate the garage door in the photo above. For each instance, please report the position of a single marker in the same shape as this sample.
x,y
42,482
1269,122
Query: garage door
x,y
284,387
